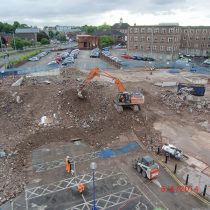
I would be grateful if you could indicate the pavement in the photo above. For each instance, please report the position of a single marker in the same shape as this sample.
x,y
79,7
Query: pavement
x,y
118,185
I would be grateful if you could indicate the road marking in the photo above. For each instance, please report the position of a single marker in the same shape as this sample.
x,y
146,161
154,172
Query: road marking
x,y
155,181
179,182
149,190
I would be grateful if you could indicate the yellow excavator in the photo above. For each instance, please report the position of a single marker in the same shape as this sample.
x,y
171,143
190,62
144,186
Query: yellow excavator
x,y
122,99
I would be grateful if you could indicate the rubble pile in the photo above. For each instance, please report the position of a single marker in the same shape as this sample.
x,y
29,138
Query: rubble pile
x,y
185,101
40,112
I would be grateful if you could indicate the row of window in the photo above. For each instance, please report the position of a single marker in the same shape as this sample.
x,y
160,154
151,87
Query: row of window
x,y
197,38
154,30
156,48
155,39
196,45
197,31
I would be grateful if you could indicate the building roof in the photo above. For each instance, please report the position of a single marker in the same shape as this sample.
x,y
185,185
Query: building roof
x,y
26,30
109,32
120,26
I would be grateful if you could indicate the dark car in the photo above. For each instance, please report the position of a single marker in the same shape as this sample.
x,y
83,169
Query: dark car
x,y
137,58
148,59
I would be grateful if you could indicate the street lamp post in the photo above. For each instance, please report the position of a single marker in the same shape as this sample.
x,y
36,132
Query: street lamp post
x,y
93,166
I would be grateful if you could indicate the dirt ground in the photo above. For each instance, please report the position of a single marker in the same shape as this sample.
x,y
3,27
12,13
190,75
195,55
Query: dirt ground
x,y
66,116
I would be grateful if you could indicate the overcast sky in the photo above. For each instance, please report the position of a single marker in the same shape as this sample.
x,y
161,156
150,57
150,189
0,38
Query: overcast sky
x,y
80,12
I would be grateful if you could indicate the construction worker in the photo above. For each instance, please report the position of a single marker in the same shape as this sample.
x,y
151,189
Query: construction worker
x,y
81,187
68,165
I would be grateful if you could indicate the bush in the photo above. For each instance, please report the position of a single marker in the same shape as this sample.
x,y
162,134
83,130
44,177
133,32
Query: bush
x,y
45,41
24,57
106,41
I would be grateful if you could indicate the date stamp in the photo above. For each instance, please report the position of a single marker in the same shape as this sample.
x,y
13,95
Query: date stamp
x,y
172,188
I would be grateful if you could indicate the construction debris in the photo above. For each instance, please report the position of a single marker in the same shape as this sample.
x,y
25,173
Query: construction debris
x,y
19,82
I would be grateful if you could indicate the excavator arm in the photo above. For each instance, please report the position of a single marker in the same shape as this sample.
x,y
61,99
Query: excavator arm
x,y
96,72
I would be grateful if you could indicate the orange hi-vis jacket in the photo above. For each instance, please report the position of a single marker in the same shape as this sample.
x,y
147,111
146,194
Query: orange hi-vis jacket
x,y
68,166
81,188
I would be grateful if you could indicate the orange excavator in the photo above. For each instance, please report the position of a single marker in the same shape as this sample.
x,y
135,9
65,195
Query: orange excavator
x,y
122,99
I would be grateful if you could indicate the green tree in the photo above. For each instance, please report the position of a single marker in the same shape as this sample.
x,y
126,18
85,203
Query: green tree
x,y
41,35
17,43
89,29
104,27
16,24
106,41
61,37
45,41
51,34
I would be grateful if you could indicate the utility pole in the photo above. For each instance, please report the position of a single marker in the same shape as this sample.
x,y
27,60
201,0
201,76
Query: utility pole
x,y
13,35
1,45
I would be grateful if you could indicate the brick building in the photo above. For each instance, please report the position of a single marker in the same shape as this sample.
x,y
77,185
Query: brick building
x,y
166,41
122,28
87,42
195,40
27,33
161,41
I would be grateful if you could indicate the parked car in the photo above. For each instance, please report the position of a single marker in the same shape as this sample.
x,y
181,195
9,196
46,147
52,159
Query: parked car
x,y
94,54
126,56
35,58
52,63
135,57
148,59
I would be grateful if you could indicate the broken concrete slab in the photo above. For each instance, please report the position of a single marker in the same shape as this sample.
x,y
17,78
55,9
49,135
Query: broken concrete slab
x,y
19,82
166,84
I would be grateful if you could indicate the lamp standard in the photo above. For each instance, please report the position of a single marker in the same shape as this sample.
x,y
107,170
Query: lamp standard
x,y
93,167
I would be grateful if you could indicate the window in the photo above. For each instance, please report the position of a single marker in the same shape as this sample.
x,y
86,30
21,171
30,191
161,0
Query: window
x,y
202,45
141,38
141,47
177,30
208,45
142,30
170,39
154,47
191,38
155,40
156,30
197,31
171,30
209,38
162,48
148,47
149,30
197,38
192,31
204,31
131,38
136,30
131,30
163,31
175,48
148,38
204,38
162,39
135,38
185,31
136,47
169,48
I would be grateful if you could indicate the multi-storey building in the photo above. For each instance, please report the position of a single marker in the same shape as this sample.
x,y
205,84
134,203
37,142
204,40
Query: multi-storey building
x,y
161,41
195,40
166,41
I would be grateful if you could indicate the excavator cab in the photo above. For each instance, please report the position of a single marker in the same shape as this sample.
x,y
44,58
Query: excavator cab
x,y
126,99
123,98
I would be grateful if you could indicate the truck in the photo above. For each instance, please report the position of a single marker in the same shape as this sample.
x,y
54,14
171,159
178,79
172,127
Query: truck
x,y
147,167
171,150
